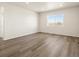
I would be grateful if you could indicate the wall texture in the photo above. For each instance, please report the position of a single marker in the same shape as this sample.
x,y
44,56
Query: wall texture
x,y
19,22
70,26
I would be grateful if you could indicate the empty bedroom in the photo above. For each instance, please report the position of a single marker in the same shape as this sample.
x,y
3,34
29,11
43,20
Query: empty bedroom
x,y
39,29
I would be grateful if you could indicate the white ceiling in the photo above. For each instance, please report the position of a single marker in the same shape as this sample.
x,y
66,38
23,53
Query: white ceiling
x,y
44,6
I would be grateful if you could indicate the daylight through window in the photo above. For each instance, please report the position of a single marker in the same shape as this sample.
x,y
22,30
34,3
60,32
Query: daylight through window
x,y
55,19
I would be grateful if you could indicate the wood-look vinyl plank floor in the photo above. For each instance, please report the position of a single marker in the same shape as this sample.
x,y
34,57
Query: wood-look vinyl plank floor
x,y
40,45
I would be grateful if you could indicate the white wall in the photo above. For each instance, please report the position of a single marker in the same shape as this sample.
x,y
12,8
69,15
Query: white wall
x,y
19,22
1,21
71,22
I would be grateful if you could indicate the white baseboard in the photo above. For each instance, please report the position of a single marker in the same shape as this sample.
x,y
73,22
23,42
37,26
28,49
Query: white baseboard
x,y
62,34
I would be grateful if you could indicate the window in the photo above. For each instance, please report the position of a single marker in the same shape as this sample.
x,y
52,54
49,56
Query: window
x,y
55,19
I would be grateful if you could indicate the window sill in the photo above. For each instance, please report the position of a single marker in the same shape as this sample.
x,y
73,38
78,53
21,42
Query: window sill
x,y
55,25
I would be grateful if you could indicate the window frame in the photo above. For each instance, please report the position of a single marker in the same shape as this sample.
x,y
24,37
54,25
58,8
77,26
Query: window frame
x,y
55,24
